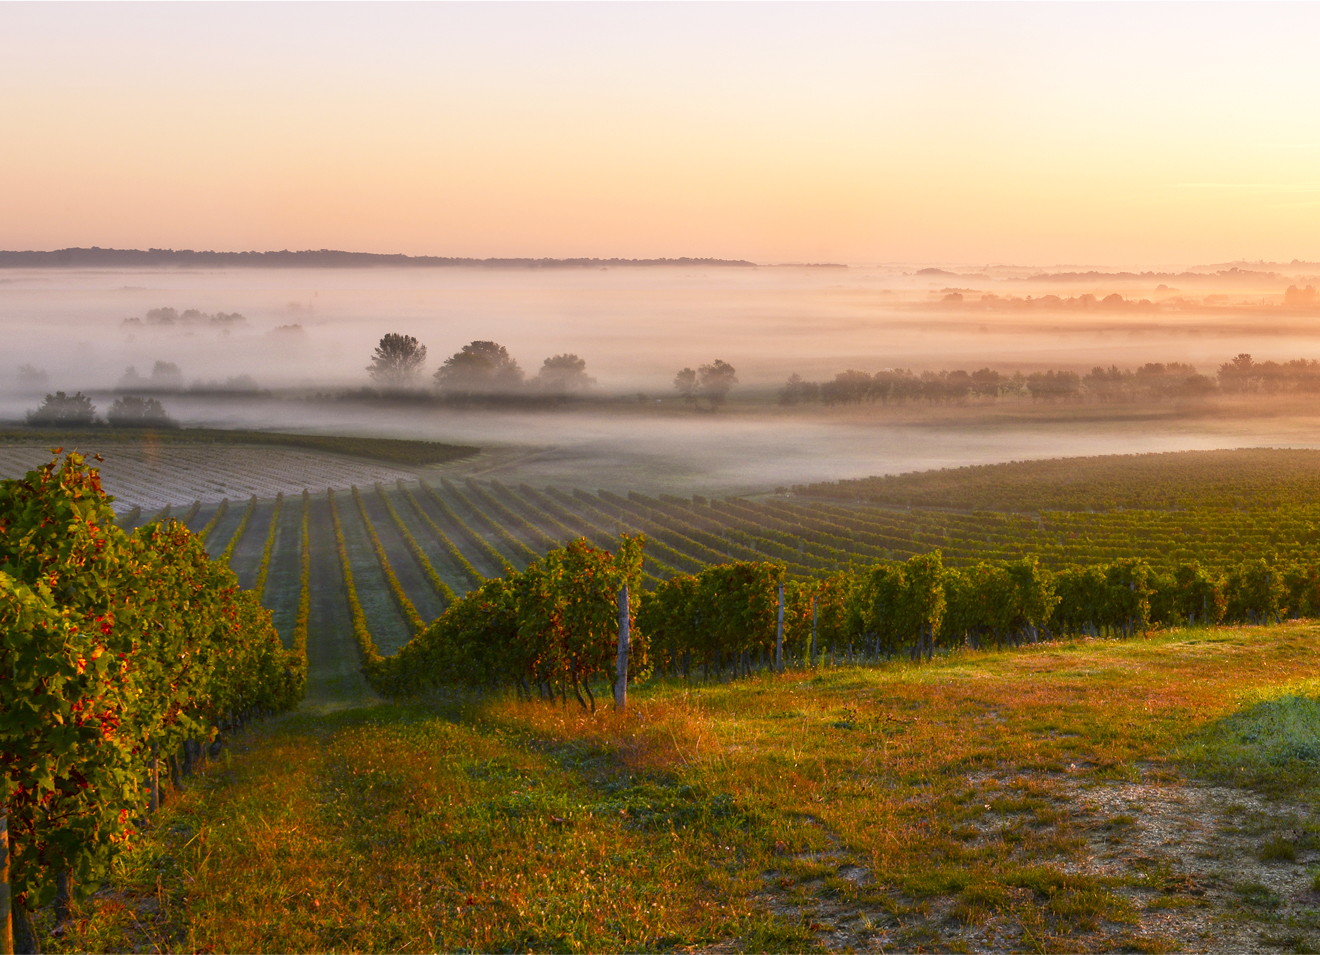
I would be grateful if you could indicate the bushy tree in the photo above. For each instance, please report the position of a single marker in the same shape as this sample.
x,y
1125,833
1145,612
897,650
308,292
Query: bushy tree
x,y
397,360
715,380
685,383
797,390
166,375
131,411
480,368
564,374
64,410
711,382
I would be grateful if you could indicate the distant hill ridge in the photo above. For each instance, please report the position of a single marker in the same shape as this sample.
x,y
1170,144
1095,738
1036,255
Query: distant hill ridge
x,y
321,258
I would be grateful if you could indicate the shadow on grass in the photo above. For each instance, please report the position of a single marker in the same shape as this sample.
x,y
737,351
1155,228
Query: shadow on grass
x,y
1272,744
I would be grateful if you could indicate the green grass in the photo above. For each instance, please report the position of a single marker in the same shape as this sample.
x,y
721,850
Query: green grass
x,y
904,806
1273,739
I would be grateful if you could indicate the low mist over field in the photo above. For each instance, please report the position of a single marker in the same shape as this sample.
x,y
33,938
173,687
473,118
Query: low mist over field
x,y
289,349
315,328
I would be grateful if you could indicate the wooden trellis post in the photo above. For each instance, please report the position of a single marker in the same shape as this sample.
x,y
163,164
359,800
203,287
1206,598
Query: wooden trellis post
x,y
779,633
6,922
621,676
811,650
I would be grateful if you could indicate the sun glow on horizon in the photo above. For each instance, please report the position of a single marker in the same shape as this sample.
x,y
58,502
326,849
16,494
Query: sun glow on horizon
x,y
1122,134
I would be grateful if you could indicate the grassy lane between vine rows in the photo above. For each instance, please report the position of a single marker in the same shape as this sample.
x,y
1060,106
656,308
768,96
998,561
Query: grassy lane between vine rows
x,y
431,555
390,628
246,558
486,560
1148,795
334,672
416,586
283,591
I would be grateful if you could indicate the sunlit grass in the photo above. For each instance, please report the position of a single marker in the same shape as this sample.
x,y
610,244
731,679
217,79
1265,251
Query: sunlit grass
x,y
917,803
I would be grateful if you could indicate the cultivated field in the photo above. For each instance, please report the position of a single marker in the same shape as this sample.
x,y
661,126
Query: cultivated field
x,y
1152,794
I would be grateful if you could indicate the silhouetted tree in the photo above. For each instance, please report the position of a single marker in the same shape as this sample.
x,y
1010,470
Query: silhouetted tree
x,y
686,384
397,360
166,374
715,380
796,390
64,410
480,368
131,411
562,374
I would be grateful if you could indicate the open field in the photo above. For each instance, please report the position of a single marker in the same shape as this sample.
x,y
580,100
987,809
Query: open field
x,y
1091,796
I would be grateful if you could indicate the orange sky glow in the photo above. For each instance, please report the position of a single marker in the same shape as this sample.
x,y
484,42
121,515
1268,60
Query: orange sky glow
x,y
1130,135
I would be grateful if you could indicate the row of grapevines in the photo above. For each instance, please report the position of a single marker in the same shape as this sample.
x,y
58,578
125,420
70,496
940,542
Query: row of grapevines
x,y
304,580
477,541
392,581
361,633
443,589
544,503
516,547
264,567
117,647
507,516
237,536
552,627
209,526
677,561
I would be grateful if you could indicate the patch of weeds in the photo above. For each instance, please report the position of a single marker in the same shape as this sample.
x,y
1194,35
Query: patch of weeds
x,y
917,937
1278,849
848,721
656,805
1114,823
1256,896
1132,942
986,895
937,882
1271,742
1154,873
1290,942
1174,902
780,936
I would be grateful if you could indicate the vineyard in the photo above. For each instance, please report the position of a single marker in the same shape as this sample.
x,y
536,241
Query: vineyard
x,y
389,589
385,561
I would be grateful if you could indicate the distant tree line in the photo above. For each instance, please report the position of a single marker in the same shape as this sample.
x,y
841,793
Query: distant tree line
x,y
711,383
314,258
189,316
479,370
1153,381
62,410
1293,297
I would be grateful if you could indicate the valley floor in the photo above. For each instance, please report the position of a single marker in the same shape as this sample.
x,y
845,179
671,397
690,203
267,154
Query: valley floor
x,y
1082,796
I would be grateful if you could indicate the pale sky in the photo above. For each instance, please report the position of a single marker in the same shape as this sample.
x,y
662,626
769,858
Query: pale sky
x,y
1121,134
